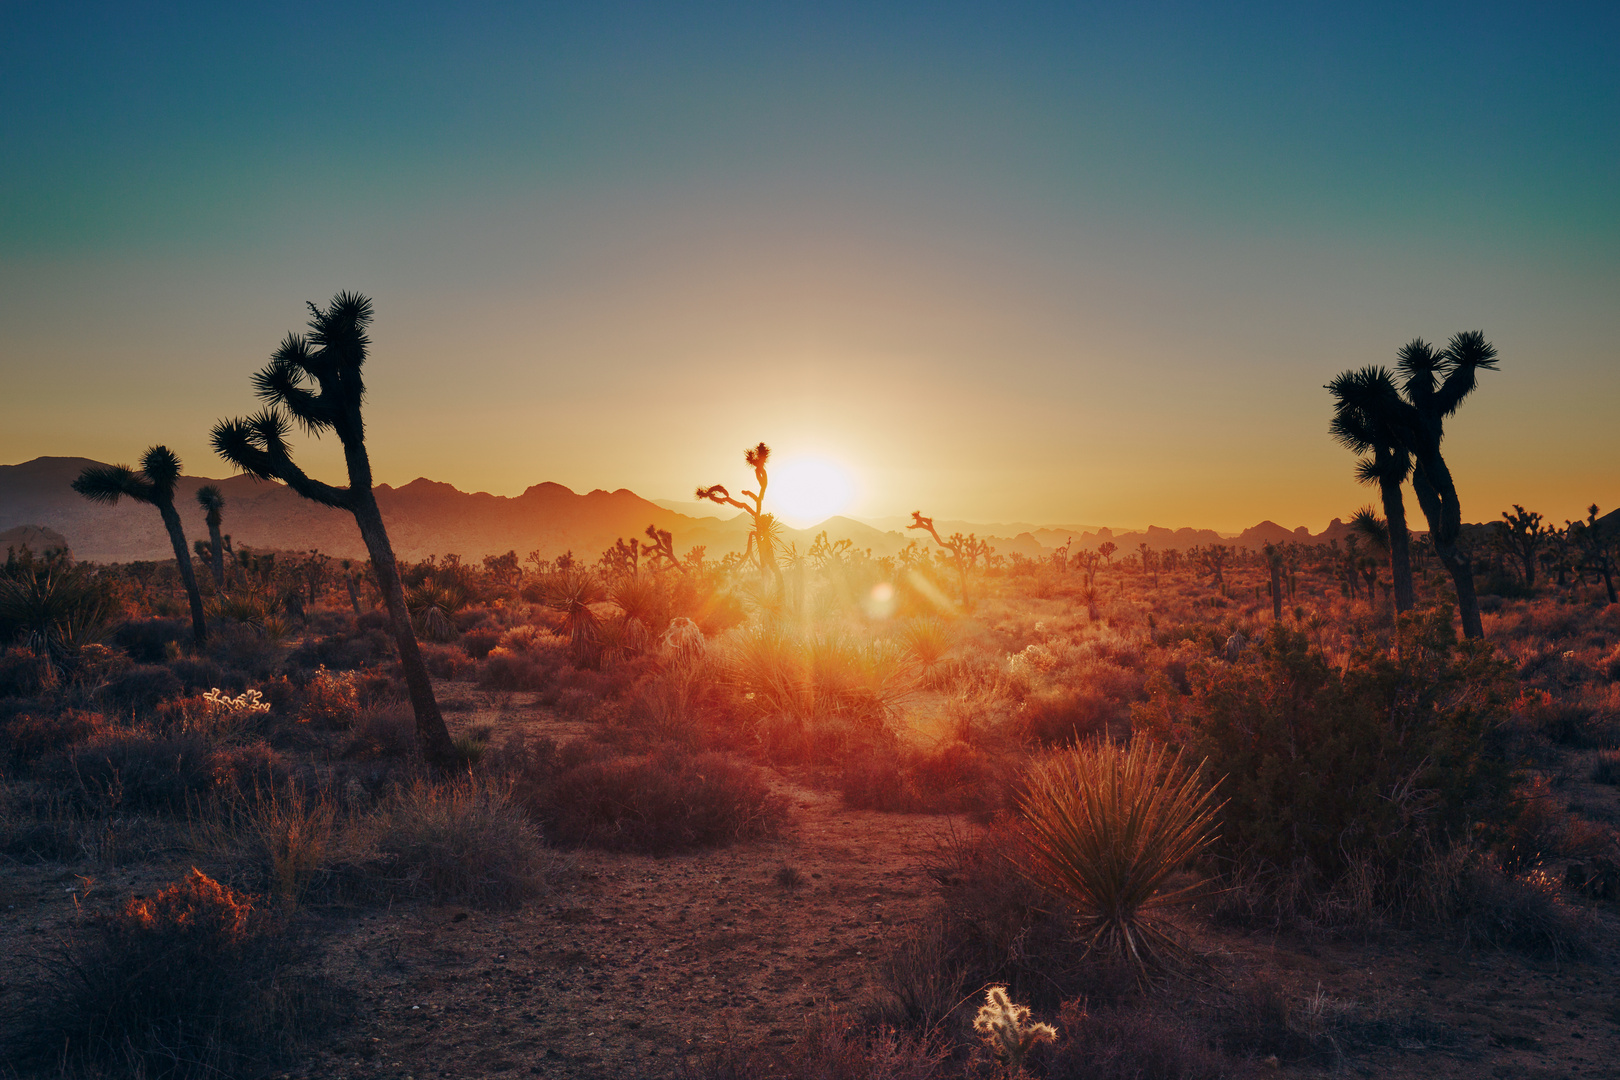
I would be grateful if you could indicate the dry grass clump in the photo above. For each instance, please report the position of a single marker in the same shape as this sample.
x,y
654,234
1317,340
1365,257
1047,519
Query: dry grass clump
x,y
1141,1041
290,837
468,842
1105,829
332,699
816,677
831,1046
192,982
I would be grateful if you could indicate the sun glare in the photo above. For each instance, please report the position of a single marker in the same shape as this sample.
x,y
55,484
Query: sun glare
x,y
808,491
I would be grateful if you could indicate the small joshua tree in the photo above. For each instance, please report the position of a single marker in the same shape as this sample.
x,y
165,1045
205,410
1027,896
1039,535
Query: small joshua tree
x,y
1006,1029
1596,545
212,501
1523,538
154,486
317,379
964,549
1366,407
766,532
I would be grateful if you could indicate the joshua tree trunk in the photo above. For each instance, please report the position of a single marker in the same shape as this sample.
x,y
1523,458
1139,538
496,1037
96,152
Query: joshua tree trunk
x,y
1276,590
216,554
182,558
1400,543
1445,522
430,730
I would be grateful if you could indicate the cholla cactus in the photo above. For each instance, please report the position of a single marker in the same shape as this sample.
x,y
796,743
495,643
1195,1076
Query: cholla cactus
x,y
247,703
1006,1029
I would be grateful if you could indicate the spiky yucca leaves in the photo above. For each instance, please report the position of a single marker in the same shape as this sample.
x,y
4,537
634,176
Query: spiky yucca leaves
x,y
57,609
1366,420
316,380
926,640
572,592
1105,827
432,605
154,486
813,678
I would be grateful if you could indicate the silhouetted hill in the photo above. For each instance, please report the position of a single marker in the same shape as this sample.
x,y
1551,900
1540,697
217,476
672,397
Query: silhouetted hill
x,y
426,517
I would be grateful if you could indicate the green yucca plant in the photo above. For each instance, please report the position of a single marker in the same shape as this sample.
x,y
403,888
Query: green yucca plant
x,y
926,640
56,609
1105,827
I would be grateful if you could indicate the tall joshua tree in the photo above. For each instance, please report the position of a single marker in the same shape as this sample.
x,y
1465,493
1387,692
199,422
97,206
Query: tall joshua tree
x,y
212,501
766,532
153,485
1434,384
1366,418
316,378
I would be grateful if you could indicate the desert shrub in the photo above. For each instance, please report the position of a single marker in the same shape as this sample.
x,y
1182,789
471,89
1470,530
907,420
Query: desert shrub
x,y
1331,767
387,731
664,801
30,737
447,662
343,652
1137,1042
504,669
288,837
1105,828
955,777
467,842
331,699
199,673
148,641
143,771
193,982
21,673
142,687
1068,714
1606,769
254,654
816,677
478,643
1567,723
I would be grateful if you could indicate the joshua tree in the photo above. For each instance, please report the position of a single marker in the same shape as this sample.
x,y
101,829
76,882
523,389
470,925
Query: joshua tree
x,y
766,531
1596,545
1106,549
1274,562
965,550
317,379
1434,385
1366,405
153,485
1523,538
212,501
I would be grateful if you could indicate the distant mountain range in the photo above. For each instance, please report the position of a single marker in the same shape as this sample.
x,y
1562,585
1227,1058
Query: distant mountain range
x,y
429,518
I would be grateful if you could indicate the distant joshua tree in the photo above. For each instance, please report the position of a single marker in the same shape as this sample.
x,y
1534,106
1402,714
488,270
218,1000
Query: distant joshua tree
x,y
317,379
1524,537
154,486
1366,406
1596,547
965,550
212,500
1274,563
1106,549
766,533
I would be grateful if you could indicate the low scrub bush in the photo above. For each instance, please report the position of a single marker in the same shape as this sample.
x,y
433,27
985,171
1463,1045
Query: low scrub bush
x,y
1136,1042
142,771
1068,714
659,802
142,687
386,731
192,982
332,699
148,641
1336,768
30,737
478,643
956,777
467,842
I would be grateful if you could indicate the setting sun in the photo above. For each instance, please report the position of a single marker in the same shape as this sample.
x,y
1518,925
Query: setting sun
x,y
807,491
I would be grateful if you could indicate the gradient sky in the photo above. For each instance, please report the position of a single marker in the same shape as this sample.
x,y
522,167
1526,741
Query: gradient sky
x,y
1004,262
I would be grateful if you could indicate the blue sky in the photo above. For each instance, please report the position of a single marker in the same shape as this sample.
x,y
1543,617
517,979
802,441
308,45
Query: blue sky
x,y
1011,261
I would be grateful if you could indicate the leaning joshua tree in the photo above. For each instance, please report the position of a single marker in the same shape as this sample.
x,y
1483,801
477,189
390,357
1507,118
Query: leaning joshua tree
x,y
317,379
766,531
153,485
1366,412
212,502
